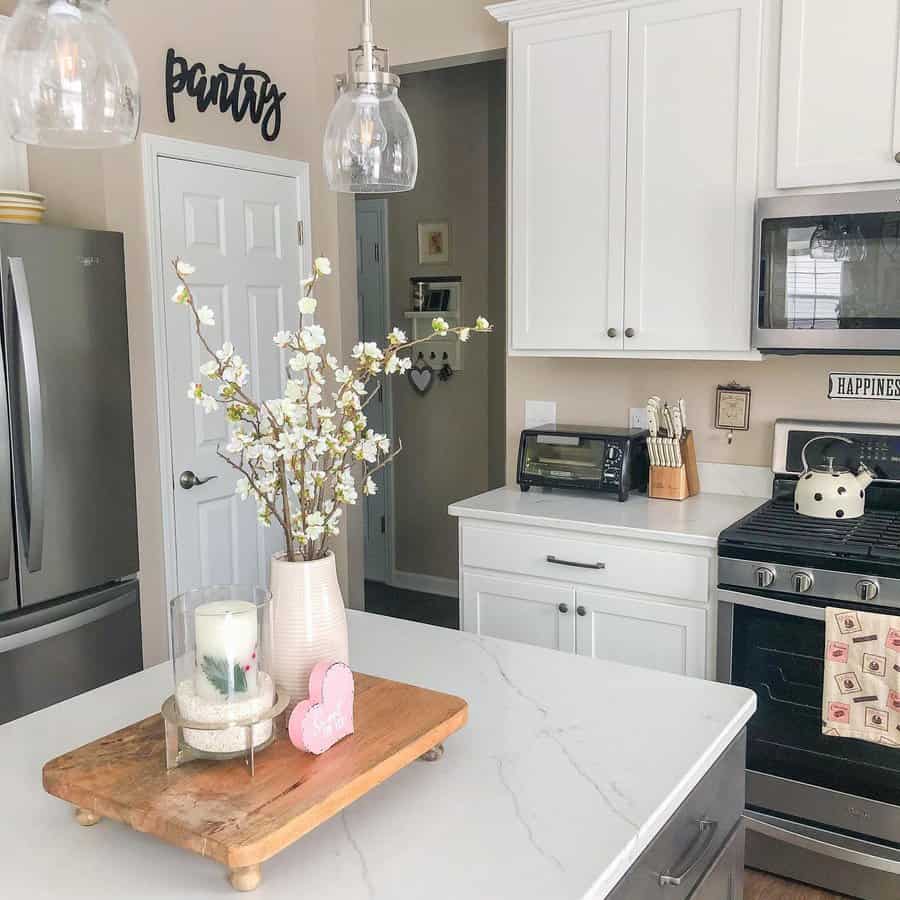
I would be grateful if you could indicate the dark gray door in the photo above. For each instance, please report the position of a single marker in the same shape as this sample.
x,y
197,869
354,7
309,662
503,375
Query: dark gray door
x,y
9,588
67,368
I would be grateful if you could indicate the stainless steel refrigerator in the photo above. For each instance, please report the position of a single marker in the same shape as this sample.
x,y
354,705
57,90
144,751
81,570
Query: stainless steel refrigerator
x,y
69,603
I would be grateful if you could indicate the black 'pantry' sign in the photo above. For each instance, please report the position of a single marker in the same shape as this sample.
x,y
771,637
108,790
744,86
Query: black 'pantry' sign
x,y
236,89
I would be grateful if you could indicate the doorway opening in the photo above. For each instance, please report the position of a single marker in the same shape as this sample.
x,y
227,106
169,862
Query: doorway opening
x,y
454,433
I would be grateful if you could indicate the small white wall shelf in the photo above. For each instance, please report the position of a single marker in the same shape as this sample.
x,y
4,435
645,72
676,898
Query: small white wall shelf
x,y
437,352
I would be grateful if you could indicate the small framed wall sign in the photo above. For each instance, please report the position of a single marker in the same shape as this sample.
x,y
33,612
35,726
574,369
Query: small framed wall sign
x,y
732,408
863,386
434,243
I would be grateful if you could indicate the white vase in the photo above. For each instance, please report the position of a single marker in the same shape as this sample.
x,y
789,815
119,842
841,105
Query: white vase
x,y
308,621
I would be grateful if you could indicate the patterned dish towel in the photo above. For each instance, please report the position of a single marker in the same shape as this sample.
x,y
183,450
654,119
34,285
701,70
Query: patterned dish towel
x,y
861,696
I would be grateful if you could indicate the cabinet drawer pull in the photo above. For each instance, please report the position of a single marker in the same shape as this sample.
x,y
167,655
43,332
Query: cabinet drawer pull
x,y
692,855
577,565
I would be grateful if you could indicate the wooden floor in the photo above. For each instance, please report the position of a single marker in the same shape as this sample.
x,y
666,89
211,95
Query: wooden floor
x,y
760,886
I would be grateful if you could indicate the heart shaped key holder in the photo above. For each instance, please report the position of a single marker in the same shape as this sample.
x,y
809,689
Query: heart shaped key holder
x,y
421,376
327,716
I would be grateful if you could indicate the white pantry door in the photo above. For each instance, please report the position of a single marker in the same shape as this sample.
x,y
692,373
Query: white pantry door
x,y
239,229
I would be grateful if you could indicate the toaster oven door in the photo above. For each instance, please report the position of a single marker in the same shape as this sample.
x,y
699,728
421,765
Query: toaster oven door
x,y
563,459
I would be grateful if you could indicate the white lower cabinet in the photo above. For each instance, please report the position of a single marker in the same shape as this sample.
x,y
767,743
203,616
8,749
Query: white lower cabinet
x,y
519,610
653,634
633,601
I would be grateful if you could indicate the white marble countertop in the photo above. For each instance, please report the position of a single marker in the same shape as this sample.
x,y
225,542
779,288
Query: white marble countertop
x,y
696,521
567,769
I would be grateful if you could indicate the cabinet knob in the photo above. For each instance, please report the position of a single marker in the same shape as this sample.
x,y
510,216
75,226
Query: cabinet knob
x,y
897,157
563,608
629,332
611,332
581,611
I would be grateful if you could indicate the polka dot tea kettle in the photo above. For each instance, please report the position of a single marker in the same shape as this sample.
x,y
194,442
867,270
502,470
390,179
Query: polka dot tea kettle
x,y
829,491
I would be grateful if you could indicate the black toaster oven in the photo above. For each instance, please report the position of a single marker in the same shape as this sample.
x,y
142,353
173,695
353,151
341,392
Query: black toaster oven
x,y
593,458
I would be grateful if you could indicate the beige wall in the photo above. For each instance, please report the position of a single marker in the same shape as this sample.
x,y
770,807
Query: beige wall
x,y
302,45
446,433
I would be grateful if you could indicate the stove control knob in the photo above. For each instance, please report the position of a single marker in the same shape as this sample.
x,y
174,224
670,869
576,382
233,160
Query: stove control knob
x,y
764,577
802,581
866,590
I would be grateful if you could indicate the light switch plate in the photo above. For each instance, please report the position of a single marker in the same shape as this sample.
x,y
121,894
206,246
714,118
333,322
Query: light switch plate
x,y
540,412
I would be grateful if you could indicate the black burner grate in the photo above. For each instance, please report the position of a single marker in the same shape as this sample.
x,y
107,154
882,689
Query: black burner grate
x,y
776,526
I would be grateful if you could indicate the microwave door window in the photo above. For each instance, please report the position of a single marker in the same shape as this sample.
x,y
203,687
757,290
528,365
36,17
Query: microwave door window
x,y
833,272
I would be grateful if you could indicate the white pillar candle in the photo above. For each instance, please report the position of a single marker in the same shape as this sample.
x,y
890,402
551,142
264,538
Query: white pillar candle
x,y
226,642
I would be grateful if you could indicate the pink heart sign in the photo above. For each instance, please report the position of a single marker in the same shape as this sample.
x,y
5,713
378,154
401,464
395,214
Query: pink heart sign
x,y
327,716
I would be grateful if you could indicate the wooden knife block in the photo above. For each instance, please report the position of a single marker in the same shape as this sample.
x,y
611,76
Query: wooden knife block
x,y
677,483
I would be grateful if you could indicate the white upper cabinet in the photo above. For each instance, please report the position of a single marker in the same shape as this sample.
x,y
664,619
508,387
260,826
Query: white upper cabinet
x,y
839,117
646,114
693,113
567,164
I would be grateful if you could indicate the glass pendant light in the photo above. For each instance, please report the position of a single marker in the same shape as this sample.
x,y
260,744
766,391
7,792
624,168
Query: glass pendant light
x,y
69,79
370,145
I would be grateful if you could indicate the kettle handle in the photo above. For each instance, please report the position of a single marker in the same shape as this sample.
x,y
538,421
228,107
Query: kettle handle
x,y
820,437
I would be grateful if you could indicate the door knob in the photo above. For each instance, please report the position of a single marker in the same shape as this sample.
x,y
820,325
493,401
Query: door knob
x,y
611,332
629,332
187,479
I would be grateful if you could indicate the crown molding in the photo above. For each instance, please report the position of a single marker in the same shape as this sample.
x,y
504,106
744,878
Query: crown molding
x,y
521,9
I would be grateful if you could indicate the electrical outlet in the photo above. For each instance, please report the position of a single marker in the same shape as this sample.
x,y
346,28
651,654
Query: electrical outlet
x,y
637,417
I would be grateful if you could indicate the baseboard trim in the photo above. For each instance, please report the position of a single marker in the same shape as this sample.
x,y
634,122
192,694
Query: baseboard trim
x,y
427,584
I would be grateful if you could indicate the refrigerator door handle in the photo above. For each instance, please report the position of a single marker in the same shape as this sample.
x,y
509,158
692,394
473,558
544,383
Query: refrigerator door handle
x,y
5,482
30,507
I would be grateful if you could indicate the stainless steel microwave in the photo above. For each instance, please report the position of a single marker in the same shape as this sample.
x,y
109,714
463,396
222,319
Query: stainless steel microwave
x,y
828,273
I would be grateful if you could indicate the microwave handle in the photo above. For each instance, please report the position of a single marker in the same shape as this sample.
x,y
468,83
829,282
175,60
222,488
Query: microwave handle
x,y
770,604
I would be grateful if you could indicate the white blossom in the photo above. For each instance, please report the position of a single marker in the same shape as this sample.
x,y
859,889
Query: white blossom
x,y
464,334
206,316
226,352
439,326
482,324
183,268
369,488
322,265
312,337
307,305
282,338
209,368
181,295
396,337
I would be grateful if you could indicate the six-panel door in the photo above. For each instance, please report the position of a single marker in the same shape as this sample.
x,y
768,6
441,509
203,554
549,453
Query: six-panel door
x,y
530,612
567,166
838,116
653,635
693,110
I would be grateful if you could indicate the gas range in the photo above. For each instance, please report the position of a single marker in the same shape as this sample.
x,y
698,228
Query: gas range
x,y
821,810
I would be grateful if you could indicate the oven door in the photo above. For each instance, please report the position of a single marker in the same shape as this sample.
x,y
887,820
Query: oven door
x,y
775,647
828,273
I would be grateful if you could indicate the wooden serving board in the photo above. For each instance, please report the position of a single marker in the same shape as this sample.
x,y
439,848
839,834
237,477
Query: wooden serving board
x,y
217,810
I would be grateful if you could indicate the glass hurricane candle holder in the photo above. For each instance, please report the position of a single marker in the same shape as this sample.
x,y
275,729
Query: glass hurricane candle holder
x,y
221,656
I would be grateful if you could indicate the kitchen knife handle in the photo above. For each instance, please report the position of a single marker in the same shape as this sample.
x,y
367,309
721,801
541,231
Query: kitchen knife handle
x,y
30,506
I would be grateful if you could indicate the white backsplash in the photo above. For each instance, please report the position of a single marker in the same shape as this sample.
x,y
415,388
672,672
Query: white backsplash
x,y
741,481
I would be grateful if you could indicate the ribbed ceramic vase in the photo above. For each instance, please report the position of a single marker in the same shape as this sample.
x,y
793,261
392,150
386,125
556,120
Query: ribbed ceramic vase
x,y
308,621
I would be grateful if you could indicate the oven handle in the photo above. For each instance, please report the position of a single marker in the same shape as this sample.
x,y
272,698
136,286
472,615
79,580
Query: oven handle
x,y
772,605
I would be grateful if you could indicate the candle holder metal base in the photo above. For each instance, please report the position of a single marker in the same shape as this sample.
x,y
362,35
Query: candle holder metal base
x,y
179,751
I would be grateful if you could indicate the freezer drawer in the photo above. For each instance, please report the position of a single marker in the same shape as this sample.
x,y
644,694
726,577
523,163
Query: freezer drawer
x,y
53,653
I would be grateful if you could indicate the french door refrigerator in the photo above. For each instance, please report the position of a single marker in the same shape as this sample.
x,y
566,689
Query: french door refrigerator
x,y
69,603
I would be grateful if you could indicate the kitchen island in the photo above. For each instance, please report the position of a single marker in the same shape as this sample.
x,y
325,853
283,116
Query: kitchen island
x,y
567,771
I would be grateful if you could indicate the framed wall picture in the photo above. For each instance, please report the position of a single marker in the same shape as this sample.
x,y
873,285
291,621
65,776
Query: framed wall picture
x,y
434,243
733,407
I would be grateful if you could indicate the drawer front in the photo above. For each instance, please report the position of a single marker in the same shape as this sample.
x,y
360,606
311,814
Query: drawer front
x,y
685,847
724,880
588,561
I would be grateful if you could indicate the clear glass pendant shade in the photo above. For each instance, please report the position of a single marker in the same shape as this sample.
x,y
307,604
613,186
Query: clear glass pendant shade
x,y
69,78
370,145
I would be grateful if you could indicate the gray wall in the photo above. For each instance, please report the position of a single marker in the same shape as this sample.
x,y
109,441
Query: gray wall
x,y
454,436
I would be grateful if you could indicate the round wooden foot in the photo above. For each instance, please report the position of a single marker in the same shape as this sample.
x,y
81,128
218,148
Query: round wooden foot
x,y
86,817
434,754
246,878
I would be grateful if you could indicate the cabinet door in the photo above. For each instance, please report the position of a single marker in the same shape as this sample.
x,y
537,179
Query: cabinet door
x,y
838,119
567,197
519,610
693,111
639,632
724,880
